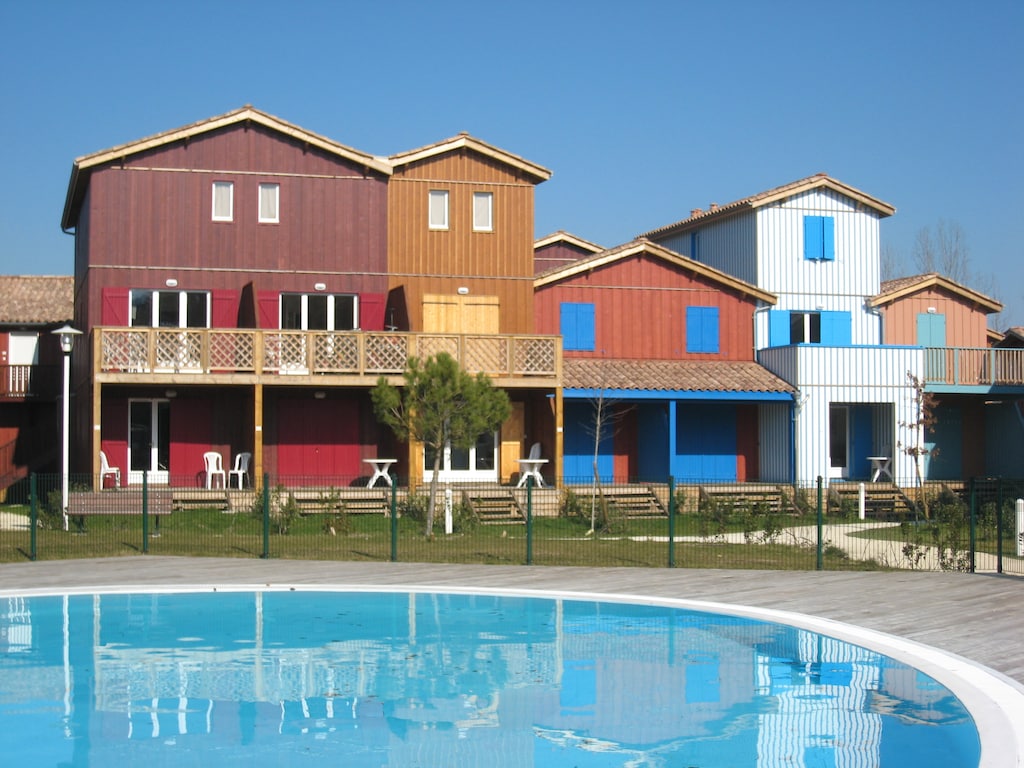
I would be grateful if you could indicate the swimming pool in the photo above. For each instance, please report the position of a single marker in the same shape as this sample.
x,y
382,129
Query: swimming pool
x,y
277,677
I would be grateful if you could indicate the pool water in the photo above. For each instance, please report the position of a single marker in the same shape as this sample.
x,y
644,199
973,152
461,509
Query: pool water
x,y
408,679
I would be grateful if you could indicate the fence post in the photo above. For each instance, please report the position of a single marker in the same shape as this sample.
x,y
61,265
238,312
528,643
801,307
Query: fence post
x,y
33,515
820,563
266,516
974,501
529,520
394,521
999,527
671,522
145,512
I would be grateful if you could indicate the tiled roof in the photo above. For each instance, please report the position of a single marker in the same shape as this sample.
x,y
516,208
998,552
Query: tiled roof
x,y
36,300
770,196
904,286
465,141
670,375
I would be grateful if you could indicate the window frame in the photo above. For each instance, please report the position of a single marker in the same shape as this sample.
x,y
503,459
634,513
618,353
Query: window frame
x,y
487,226
230,186
439,195
263,217
156,300
331,310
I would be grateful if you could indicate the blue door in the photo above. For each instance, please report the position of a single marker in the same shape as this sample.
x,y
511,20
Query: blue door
x,y
705,442
578,445
943,441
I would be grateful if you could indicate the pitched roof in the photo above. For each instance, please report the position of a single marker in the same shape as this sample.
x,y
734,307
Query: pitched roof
x,y
715,211
561,236
670,375
83,165
36,300
465,141
643,246
891,290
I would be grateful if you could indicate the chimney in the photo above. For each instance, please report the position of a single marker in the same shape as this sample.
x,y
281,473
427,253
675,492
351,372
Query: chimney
x,y
695,212
713,207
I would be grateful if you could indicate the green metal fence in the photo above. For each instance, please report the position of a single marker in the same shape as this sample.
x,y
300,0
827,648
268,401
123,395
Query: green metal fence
x,y
965,527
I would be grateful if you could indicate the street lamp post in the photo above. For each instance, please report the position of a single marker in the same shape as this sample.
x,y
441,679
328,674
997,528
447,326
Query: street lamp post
x,y
67,335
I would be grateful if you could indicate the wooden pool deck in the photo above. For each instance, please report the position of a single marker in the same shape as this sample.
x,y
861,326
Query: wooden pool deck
x,y
980,617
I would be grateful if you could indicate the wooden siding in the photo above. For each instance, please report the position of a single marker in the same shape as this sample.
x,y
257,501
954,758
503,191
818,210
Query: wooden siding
x,y
875,376
966,325
557,255
496,263
640,311
782,268
729,245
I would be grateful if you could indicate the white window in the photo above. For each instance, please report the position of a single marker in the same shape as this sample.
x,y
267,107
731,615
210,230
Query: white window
x,y
439,209
269,203
170,309
223,200
319,312
483,211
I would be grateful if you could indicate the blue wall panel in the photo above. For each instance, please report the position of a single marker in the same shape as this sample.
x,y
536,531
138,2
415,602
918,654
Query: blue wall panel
x,y
705,442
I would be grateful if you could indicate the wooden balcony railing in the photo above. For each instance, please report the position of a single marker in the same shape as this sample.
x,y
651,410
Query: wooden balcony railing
x,y
21,382
216,351
974,366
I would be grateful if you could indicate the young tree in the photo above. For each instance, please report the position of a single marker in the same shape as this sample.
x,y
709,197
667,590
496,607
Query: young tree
x,y
440,404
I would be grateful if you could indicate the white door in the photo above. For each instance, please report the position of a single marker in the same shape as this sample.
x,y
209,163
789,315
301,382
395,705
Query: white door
x,y
478,463
149,445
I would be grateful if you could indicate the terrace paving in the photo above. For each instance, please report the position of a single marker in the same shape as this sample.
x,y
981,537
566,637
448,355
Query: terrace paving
x,y
979,617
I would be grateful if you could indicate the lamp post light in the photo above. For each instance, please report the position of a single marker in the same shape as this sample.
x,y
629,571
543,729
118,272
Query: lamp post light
x,y
67,335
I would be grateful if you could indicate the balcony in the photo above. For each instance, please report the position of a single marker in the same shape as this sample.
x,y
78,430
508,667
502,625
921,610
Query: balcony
x,y
973,367
359,358
29,382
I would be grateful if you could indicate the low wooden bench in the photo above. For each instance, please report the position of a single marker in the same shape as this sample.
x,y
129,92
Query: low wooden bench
x,y
122,501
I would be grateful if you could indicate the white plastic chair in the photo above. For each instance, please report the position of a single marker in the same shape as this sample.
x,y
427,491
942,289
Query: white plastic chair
x,y
530,467
241,469
108,471
214,466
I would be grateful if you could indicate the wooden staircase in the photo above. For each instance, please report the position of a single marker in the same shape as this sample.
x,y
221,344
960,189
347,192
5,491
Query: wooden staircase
x,y
494,505
771,498
882,501
632,500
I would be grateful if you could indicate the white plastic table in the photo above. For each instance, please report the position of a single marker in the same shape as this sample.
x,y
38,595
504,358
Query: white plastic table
x,y
880,465
380,469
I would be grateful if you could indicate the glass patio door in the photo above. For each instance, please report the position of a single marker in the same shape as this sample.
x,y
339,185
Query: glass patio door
x,y
478,463
149,445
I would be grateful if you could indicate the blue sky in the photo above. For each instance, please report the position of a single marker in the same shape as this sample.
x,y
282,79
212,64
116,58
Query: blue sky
x,y
643,110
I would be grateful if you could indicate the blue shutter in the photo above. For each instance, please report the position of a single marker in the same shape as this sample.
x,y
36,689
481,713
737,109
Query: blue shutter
x,y
778,328
812,237
819,238
828,238
836,329
931,330
702,329
576,322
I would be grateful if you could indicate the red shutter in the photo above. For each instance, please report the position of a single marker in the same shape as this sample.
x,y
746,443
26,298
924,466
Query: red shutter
x,y
224,309
114,307
267,308
371,311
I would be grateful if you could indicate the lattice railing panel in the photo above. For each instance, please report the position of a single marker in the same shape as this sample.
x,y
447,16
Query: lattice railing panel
x,y
386,352
428,346
124,351
486,354
232,351
285,352
336,353
535,357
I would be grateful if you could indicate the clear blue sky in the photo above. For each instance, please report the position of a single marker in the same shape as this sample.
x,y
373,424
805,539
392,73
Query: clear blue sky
x,y
642,109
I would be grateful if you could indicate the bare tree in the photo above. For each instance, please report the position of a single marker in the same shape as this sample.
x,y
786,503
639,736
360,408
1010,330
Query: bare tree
x,y
891,265
605,422
943,250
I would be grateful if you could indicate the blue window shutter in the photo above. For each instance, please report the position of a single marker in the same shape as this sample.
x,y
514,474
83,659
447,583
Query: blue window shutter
x,y
812,237
702,329
931,330
576,322
836,329
828,238
778,328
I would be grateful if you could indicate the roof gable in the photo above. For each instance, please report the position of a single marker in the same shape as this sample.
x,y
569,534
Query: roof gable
x,y
699,217
567,238
652,250
464,141
893,290
85,164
